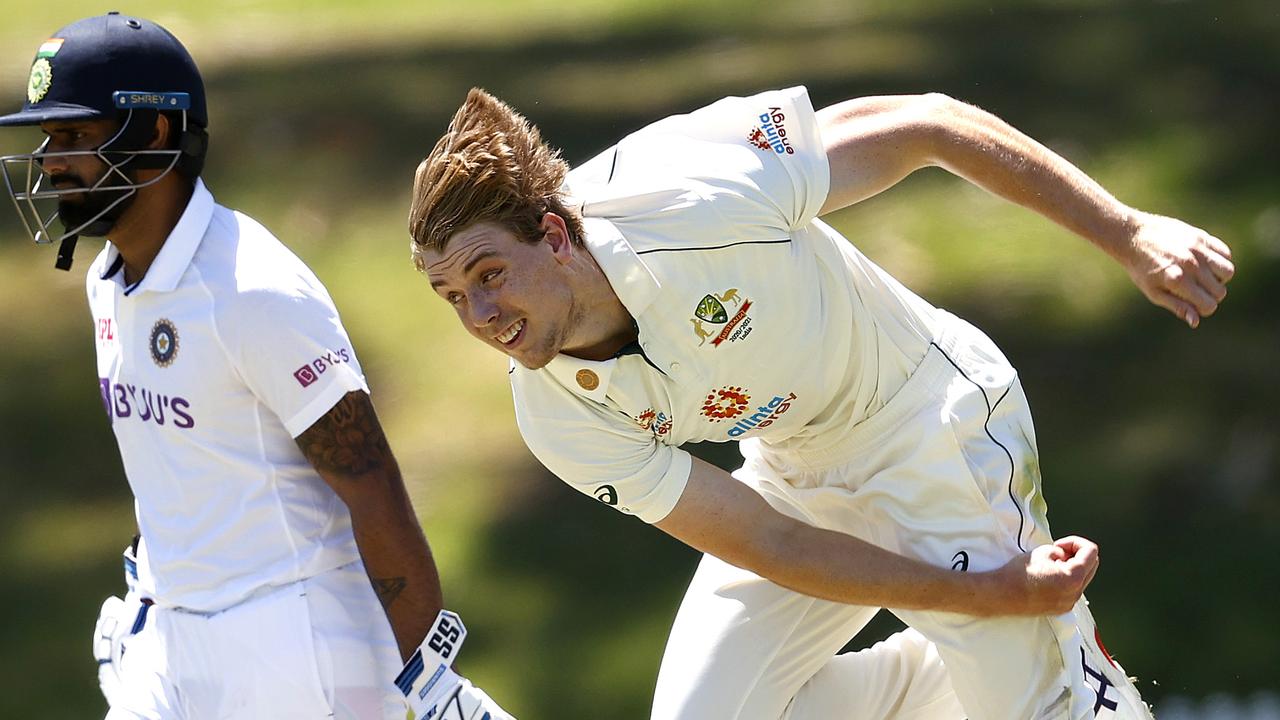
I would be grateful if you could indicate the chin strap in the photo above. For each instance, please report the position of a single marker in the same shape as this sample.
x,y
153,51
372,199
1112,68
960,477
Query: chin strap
x,y
66,251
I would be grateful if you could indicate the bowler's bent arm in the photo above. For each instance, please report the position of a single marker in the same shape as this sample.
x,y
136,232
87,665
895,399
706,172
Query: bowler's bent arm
x,y
719,515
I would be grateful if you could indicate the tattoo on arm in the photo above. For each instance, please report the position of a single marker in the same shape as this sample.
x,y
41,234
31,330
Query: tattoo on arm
x,y
388,589
347,440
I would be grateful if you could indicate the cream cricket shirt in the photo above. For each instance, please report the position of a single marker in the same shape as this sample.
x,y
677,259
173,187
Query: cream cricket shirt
x,y
209,366
755,319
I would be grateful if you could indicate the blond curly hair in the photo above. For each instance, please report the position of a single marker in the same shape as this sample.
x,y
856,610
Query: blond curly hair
x,y
490,166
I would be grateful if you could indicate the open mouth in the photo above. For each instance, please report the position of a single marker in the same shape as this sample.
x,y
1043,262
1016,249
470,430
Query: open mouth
x,y
511,334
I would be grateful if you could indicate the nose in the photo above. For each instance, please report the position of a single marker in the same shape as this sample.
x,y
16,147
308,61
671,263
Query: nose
x,y
484,312
53,164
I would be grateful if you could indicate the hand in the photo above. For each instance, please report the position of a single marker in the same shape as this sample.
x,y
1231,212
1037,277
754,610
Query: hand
x,y
432,690
1046,581
1178,267
453,697
117,622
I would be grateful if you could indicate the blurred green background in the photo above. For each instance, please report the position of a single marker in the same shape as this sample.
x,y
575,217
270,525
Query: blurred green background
x,y
1160,443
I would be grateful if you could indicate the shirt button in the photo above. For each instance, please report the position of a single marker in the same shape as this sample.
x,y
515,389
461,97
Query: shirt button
x,y
675,367
587,380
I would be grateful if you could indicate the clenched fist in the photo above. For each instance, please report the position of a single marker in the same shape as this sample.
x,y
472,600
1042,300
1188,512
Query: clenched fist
x,y
1177,266
1046,581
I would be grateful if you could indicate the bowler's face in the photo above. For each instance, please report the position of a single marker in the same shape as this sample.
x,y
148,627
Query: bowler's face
x,y
508,293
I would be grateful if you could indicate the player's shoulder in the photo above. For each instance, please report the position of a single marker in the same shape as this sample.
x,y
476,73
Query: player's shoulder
x,y
247,258
541,393
249,272
733,117
562,400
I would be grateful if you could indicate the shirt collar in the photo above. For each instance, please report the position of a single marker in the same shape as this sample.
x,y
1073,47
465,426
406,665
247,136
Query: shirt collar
x,y
588,378
175,255
636,288
632,280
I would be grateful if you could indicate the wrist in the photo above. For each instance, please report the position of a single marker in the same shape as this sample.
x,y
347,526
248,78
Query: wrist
x,y
986,593
1119,233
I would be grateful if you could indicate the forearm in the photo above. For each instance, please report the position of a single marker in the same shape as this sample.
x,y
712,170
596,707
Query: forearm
x,y
872,143
990,153
400,566
720,516
349,450
842,568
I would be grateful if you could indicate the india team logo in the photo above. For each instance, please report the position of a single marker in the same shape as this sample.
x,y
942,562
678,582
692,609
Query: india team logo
x,y
726,403
40,80
164,342
711,309
42,70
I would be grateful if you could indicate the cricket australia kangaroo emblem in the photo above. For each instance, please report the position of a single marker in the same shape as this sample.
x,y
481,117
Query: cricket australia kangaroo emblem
x,y
712,310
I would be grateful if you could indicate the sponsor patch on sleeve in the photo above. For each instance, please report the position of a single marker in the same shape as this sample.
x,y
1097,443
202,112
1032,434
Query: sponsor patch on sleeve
x,y
308,374
770,132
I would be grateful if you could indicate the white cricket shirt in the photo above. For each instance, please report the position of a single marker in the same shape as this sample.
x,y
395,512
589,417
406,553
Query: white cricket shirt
x,y
209,366
755,319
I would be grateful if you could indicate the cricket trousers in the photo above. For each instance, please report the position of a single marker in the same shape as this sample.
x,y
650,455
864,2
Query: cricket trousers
x,y
946,472
315,648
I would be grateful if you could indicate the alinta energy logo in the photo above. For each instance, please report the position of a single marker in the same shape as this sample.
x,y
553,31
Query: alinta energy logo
x,y
771,134
764,416
655,422
726,403
711,309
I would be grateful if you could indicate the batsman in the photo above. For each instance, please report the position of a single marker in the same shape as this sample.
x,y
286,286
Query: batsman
x,y
280,571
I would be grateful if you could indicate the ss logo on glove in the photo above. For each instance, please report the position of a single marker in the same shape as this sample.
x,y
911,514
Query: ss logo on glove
x,y
444,638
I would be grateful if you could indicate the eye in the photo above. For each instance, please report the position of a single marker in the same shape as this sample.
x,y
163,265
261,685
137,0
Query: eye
x,y
489,276
453,298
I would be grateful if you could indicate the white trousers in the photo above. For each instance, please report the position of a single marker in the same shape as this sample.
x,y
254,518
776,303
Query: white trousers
x,y
317,648
945,472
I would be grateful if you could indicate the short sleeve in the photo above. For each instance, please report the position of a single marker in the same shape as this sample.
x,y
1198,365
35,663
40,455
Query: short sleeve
x,y
760,159
292,351
596,451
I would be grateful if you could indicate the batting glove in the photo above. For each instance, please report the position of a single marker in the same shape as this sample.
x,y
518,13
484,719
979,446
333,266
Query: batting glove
x,y
117,621
432,690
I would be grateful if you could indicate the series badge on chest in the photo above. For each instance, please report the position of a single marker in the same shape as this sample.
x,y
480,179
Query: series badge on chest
x,y
711,311
163,342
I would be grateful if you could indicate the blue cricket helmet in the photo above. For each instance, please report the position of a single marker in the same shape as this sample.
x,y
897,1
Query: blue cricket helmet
x,y
76,72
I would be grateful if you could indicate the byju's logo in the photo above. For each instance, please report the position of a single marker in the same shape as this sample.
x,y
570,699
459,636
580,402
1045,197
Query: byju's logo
x,y
123,400
305,375
311,372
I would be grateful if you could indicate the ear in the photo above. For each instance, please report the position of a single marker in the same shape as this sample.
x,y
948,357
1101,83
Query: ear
x,y
163,132
556,234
